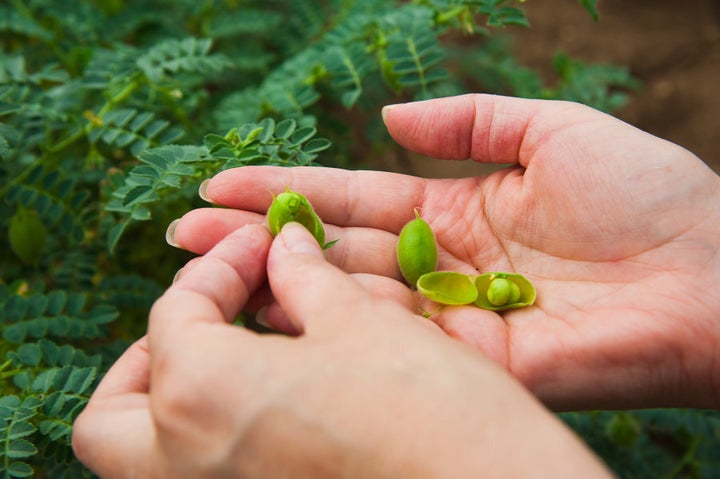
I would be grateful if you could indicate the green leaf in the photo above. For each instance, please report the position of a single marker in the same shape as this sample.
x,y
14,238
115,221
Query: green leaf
x,y
19,469
20,429
316,145
56,302
302,135
15,333
16,307
591,7
56,429
79,380
285,128
114,235
29,354
44,381
20,448
8,404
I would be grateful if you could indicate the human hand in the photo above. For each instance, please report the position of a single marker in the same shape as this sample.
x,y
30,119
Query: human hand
x,y
367,390
618,230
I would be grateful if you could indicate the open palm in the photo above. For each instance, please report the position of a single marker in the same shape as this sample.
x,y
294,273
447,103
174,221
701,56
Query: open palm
x,y
617,229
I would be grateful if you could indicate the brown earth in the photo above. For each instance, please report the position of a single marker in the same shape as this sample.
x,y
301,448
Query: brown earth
x,y
672,47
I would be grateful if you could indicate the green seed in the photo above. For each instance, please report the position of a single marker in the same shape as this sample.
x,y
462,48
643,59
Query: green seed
x,y
292,206
416,250
503,291
448,287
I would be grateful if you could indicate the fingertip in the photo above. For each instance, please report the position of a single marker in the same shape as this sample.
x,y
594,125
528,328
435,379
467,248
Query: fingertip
x,y
170,234
295,238
203,191
440,128
386,110
274,318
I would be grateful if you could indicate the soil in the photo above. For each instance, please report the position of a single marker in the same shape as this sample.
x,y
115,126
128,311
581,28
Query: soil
x,y
672,47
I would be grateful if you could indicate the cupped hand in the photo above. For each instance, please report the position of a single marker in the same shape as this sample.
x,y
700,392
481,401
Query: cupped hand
x,y
618,230
367,390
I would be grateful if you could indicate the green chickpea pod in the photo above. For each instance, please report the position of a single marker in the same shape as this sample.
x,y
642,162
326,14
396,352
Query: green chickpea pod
x,y
416,250
503,291
292,206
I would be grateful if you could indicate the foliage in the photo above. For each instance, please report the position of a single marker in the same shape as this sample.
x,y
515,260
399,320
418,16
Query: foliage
x,y
657,443
111,114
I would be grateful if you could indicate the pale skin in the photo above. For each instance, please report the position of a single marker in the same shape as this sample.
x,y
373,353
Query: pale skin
x,y
618,230
383,393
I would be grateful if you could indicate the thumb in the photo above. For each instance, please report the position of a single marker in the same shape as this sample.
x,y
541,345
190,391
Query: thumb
x,y
486,128
313,293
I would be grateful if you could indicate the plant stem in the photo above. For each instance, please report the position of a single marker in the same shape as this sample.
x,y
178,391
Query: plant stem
x,y
686,459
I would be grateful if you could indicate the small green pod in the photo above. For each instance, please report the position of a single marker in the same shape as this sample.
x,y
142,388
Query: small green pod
x,y
292,206
27,235
448,287
416,250
503,291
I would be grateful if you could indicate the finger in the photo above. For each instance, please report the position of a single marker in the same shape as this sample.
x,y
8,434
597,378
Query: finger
x,y
105,437
358,250
310,290
130,373
488,128
275,318
388,288
214,289
201,229
344,198
484,330
116,422
261,297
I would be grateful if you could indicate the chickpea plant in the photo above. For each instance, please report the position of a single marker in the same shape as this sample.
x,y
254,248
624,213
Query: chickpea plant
x,y
113,112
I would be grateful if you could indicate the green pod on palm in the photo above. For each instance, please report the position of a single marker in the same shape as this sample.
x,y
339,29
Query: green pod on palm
x,y
416,250
292,206
448,287
503,291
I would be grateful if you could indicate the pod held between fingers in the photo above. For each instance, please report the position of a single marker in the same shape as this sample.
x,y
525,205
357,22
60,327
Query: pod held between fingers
x,y
292,206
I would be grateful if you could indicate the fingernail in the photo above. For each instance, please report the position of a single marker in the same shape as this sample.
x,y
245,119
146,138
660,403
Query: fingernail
x,y
297,239
387,108
261,317
202,191
385,111
177,276
170,234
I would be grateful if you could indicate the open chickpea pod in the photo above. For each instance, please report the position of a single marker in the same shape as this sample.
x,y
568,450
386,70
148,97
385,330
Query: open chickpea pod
x,y
495,291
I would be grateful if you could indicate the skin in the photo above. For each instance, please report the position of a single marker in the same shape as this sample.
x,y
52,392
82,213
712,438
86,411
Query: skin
x,y
381,393
617,229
